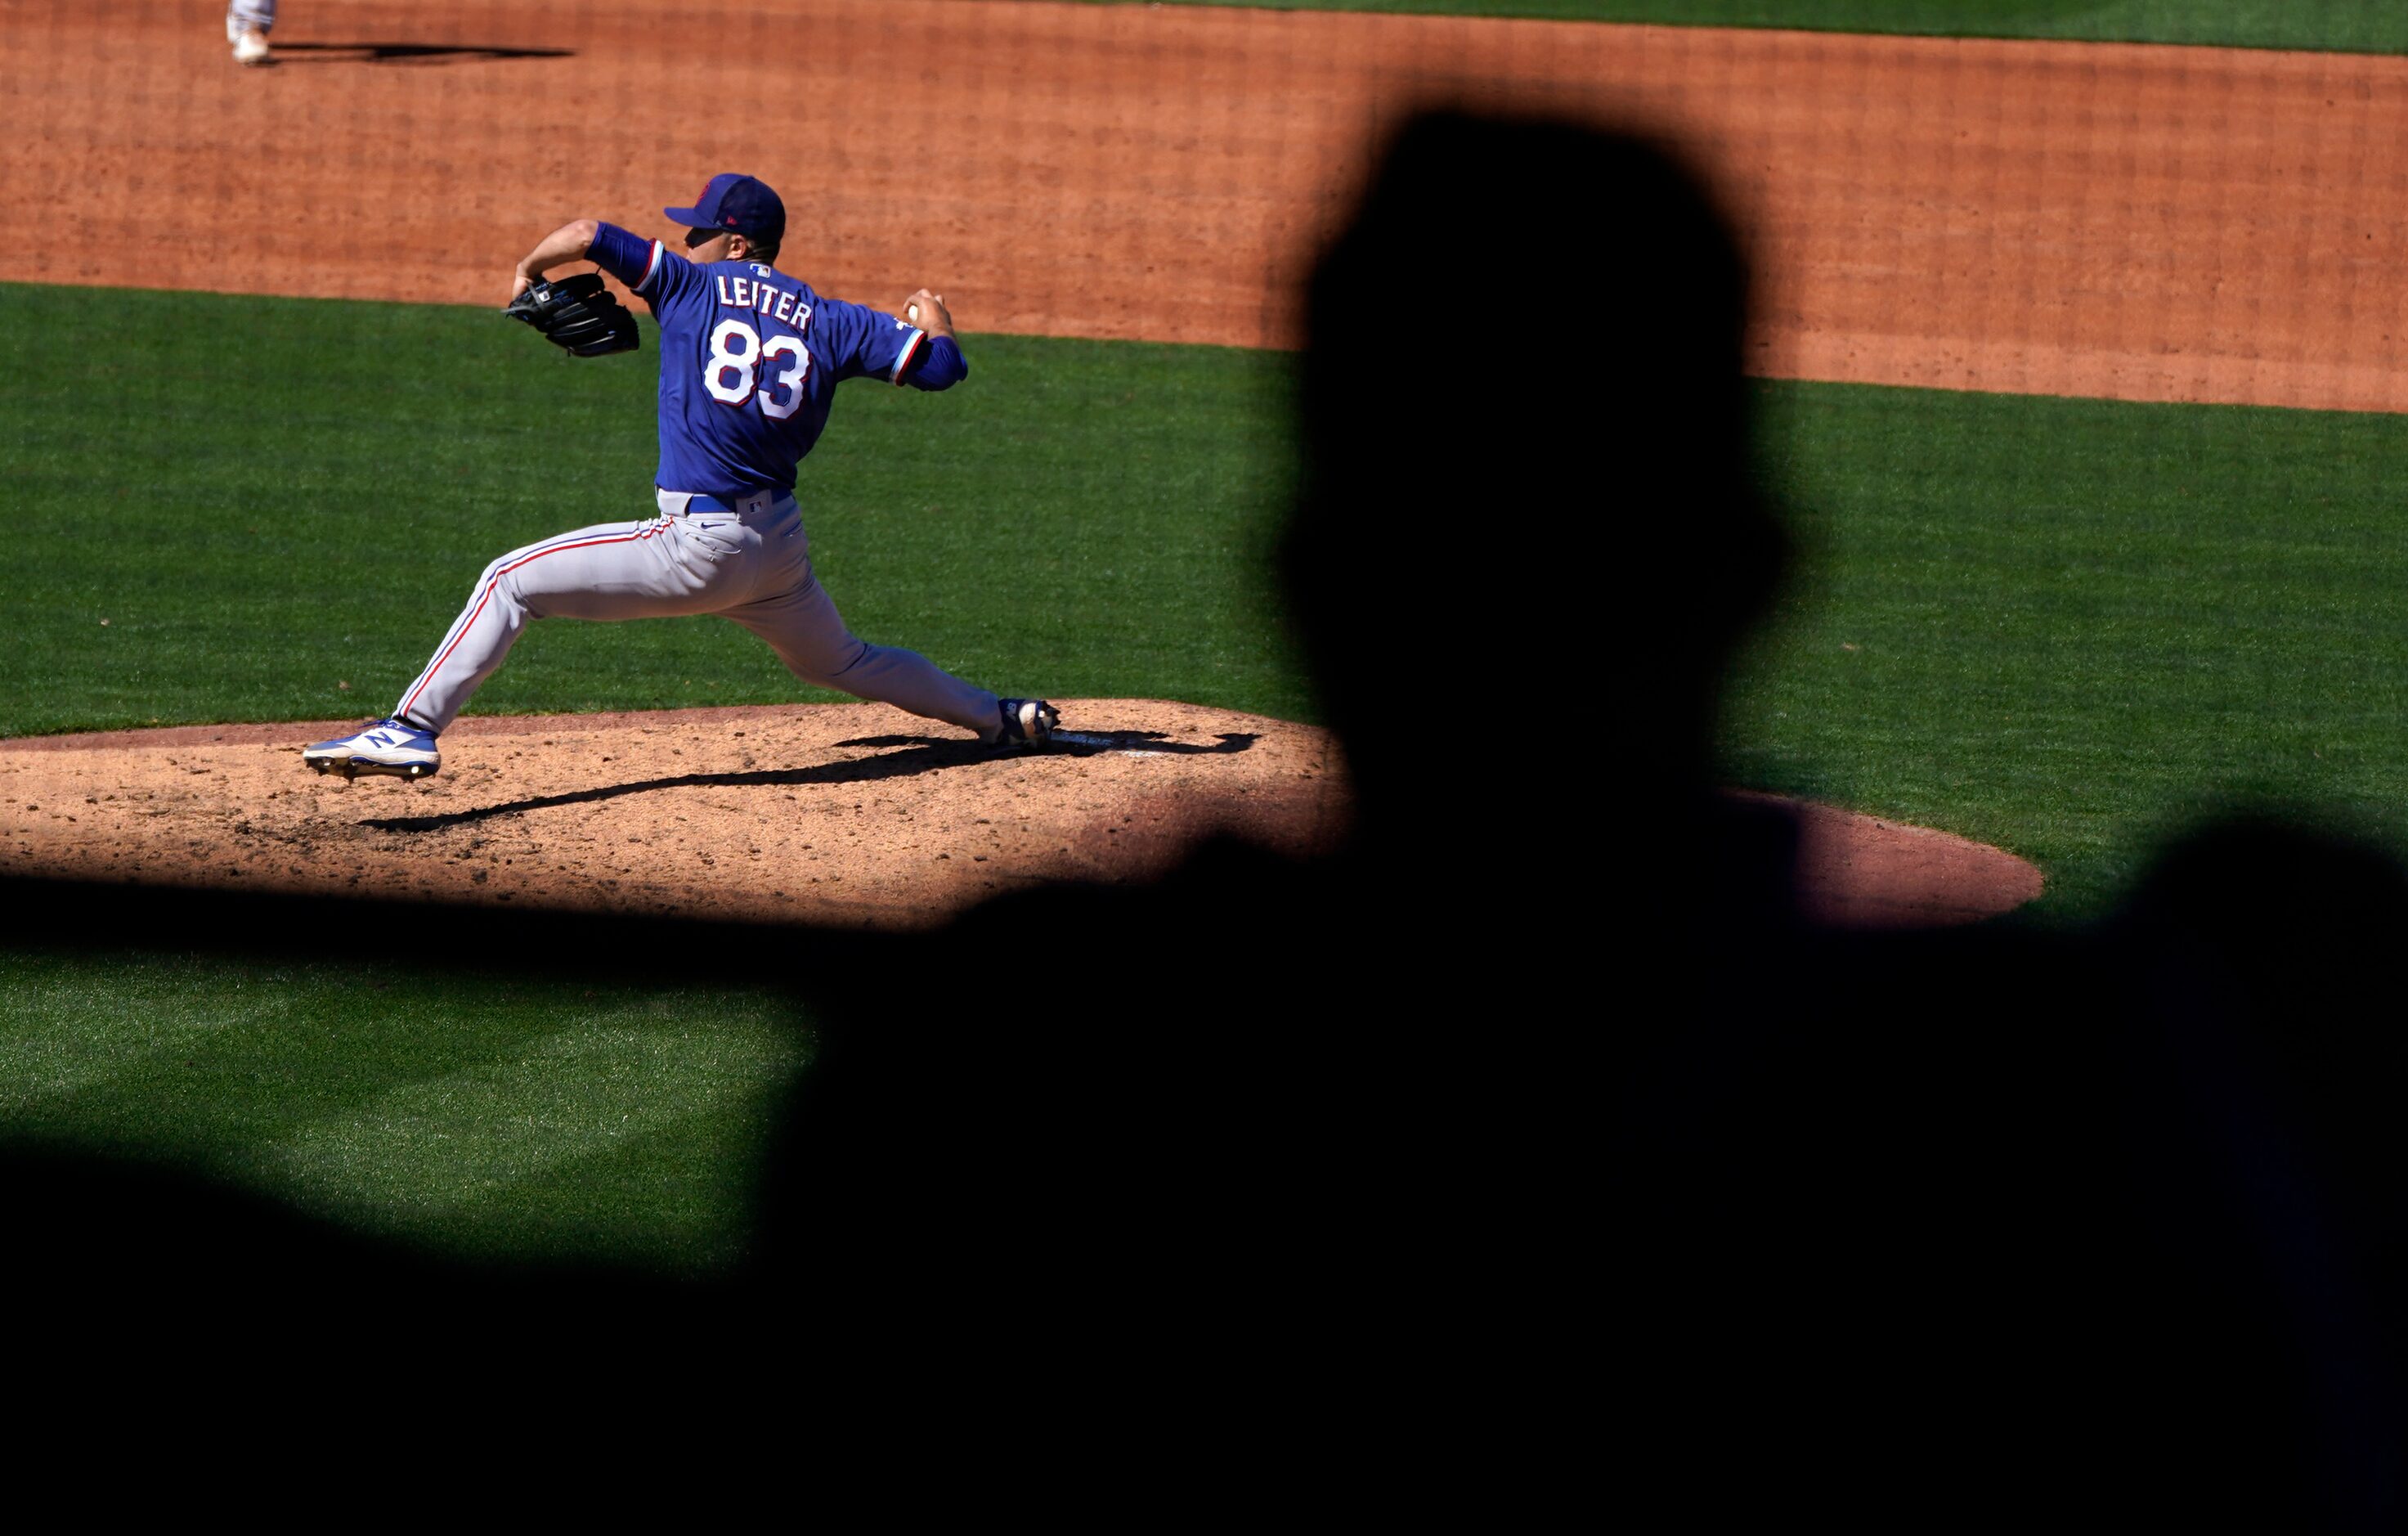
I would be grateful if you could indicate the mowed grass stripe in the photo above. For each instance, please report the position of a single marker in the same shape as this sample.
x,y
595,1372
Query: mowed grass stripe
x,y
2322,25
444,1107
570,1149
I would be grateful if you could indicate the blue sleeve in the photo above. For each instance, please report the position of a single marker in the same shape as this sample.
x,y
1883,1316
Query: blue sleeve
x,y
939,366
650,270
869,343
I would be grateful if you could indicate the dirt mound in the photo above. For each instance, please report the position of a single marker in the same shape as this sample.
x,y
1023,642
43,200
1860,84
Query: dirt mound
x,y
847,814
1857,871
828,813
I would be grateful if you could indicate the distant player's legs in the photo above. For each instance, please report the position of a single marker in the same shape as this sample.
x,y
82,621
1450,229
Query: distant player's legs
x,y
248,22
809,636
657,569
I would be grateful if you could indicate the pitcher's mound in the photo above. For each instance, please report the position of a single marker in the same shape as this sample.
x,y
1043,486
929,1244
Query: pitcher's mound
x,y
850,814
1857,871
835,814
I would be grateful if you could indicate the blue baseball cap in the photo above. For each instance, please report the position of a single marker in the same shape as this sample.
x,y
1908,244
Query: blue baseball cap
x,y
737,203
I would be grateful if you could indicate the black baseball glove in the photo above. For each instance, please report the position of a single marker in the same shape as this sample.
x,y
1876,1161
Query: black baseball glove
x,y
576,314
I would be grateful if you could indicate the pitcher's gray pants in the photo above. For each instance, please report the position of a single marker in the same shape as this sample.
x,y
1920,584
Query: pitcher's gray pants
x,y
751,564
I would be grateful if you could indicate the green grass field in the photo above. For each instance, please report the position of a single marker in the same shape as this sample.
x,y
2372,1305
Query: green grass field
x,y
481,1112
260,529
2066,625
2038,622
2324,25
2058,626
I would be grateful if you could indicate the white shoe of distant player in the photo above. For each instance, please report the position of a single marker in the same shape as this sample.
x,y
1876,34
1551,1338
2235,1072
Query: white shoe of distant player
x,y
249,46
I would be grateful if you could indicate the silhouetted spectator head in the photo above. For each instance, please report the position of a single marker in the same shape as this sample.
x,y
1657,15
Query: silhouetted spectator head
x,y
1527,513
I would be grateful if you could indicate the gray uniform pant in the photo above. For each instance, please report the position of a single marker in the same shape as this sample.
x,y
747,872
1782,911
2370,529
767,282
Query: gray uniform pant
x,y
751,564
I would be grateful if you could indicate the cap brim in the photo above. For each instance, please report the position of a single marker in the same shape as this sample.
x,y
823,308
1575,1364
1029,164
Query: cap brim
x,y
690,216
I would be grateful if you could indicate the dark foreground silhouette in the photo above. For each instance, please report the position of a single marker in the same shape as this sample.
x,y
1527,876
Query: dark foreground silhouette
x,y
1393,1178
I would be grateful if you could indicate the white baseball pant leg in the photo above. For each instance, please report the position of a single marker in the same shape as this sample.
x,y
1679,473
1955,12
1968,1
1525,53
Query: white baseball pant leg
x,y
752,567
798,620
255,15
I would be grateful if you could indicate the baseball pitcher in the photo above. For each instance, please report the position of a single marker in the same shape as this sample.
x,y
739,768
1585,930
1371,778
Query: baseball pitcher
x,y
749,362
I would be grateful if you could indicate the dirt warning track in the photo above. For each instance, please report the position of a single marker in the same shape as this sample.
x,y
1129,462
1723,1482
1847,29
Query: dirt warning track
x,y
2165,224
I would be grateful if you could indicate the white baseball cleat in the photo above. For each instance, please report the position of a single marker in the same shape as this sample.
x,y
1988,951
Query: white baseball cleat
x,y
380,746
250,45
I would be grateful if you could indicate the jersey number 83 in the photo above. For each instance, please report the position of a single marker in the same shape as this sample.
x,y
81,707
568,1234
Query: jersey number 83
x,y
739,360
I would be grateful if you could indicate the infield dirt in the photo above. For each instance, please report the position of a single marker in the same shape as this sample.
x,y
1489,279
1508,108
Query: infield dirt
x,y
2135,222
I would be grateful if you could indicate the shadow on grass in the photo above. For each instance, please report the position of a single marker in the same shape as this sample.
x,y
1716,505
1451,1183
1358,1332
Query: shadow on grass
x,y
919,754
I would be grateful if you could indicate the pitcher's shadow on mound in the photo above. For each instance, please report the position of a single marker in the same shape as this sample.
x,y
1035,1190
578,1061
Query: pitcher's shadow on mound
x,y
1088,743
917,754
409,54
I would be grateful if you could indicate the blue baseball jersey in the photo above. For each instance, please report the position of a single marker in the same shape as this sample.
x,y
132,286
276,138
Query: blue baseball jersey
x,y
751,359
